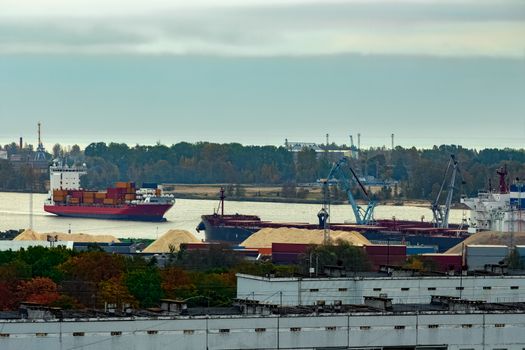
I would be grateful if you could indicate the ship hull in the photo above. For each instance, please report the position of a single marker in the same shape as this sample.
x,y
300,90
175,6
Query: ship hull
x,y
234,231
138,212
226,234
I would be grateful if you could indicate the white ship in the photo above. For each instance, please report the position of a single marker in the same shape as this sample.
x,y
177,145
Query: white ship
x,y
500,210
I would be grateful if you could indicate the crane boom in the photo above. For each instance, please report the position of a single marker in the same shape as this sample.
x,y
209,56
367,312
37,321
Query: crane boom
x,y
362,216
441,213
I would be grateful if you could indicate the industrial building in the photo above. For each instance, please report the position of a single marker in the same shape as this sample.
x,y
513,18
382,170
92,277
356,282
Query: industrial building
x,y
446,323
295,291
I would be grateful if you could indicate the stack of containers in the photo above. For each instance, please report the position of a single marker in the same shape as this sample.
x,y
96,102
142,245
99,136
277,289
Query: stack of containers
x,y
392,255
75,196
59,195
477,256
88,197
130,192
115,195
100,197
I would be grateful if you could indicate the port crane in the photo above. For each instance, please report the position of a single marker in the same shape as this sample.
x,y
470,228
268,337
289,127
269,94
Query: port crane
x,y
362,216
441,212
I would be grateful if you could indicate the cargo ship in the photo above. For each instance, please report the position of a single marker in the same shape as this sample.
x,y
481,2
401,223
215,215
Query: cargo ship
x,y
123,202
499,209
233,229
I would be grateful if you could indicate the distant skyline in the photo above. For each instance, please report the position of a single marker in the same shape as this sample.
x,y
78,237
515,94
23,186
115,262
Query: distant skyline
x,y
258,72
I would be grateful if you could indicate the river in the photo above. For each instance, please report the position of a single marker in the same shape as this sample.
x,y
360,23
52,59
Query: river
x,y
185,214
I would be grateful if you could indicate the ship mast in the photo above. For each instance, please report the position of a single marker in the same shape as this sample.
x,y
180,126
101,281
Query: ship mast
x,y
502,172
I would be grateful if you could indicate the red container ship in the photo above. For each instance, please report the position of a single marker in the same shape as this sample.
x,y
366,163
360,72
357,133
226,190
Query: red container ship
x,y
124,201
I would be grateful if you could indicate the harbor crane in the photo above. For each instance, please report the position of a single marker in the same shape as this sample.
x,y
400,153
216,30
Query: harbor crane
x,y
441,212
363,216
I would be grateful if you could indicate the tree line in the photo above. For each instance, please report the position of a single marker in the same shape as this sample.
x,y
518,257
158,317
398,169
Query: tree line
x,y
418,173
68,279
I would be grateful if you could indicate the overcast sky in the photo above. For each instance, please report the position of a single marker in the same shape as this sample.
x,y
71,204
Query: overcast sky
x,y
258,72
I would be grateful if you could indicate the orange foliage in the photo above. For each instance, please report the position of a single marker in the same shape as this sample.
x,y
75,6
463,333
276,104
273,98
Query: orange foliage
x,y
176,283
93,267
114,291
41,290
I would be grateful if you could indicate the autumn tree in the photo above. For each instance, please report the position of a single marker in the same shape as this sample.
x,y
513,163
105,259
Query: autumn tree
x,y
115,291
177,283
41,290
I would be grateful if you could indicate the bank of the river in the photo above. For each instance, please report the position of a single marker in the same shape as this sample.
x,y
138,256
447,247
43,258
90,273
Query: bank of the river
x,y
308,194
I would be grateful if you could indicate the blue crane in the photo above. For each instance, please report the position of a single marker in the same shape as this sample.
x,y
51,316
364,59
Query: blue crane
x,y
362,216
441,212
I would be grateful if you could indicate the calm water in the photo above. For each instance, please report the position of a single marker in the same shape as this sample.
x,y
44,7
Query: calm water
x,y
185,214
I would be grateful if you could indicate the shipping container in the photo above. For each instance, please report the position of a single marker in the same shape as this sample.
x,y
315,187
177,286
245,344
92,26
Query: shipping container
x,y
151,185
110,201
88,194
290,247
386,249
100,195
445,262
130,197
59,193
392,260
76,194
421,249
265,251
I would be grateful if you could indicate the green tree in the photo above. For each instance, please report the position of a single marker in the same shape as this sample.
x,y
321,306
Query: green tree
x,y
145,286
340,253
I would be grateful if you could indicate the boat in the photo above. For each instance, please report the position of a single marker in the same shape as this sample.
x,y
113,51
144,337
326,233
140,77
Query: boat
x,y
122,202
498,209
234,229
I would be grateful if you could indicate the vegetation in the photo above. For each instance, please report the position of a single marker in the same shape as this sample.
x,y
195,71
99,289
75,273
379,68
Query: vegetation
x,y
418,173
68,279
341,253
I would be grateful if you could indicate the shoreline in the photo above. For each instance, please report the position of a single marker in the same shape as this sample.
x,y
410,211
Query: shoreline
x,y
269,194
390,202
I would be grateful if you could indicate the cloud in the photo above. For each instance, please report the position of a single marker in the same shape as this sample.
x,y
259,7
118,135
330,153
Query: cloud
x,y
294,27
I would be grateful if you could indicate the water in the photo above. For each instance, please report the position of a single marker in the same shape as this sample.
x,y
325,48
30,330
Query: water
x,y
185,214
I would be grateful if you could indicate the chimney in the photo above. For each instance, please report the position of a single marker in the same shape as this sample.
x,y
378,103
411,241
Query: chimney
x,y
21,144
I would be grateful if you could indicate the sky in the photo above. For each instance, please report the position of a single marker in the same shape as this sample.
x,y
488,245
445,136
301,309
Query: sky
x,y
260,72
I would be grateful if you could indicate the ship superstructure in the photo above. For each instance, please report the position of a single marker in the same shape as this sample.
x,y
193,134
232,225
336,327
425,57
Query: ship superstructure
x,y
500,210
124,201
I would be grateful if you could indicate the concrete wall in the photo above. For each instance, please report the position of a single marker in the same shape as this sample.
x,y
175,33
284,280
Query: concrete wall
x,y
306,291
457,331
17,245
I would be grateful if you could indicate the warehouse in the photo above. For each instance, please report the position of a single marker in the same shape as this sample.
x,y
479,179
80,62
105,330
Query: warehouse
x,y
475,325
295,291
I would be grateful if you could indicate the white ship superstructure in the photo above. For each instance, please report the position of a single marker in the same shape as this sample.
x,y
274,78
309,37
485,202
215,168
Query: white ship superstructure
x,y
500,210
64,177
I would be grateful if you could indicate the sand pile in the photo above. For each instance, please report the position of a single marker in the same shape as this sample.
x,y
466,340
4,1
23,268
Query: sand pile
x,y
30,235
492,238
265,237
171,238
